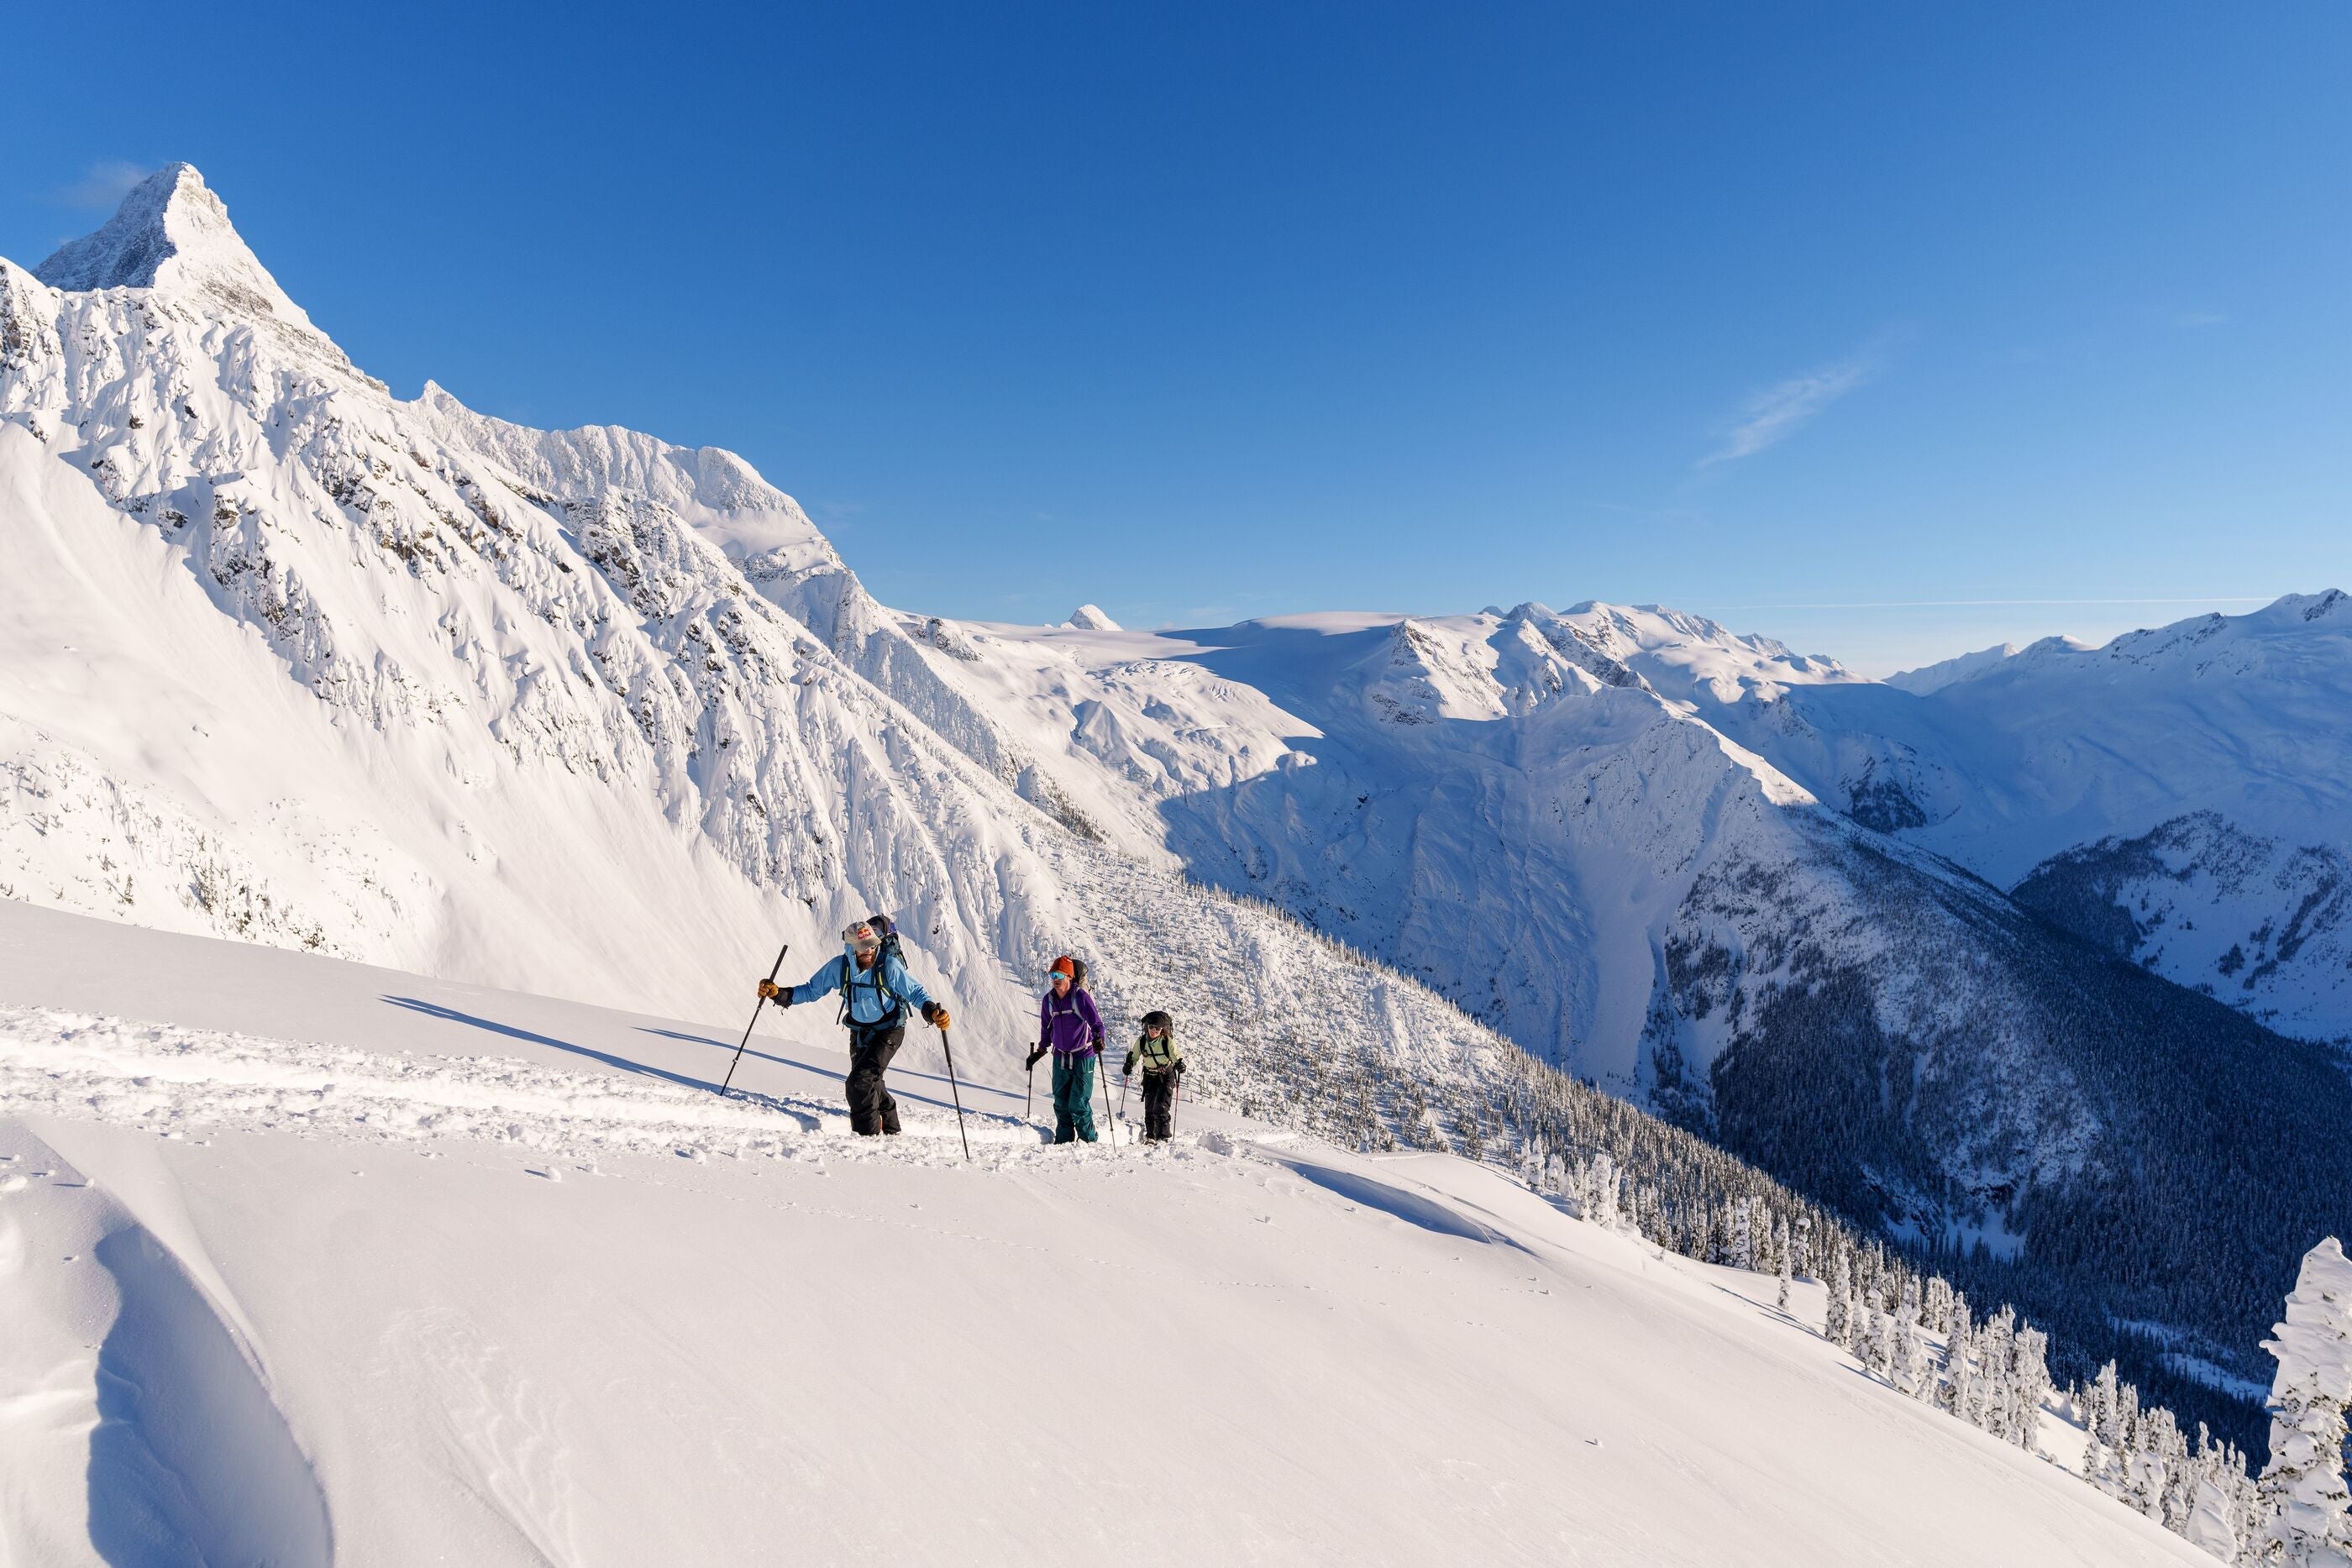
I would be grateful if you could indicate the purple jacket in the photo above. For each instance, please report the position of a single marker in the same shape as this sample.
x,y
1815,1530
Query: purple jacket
x,y
1069,1024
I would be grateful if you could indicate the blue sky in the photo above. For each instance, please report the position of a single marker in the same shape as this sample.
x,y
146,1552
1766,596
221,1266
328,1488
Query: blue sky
x,y
1888,331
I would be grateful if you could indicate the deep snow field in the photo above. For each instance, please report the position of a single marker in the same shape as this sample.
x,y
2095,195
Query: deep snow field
x,y
469,1276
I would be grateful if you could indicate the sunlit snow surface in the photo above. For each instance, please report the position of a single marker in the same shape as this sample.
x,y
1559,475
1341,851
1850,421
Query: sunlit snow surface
x,y
477,1276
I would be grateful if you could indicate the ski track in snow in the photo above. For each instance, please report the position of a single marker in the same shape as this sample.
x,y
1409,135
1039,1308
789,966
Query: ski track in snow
x,y
173,1080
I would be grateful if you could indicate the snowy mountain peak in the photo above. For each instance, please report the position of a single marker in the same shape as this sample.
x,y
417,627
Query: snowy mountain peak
x,y
1689,657
1090,618
2307,607
1935,678
172,232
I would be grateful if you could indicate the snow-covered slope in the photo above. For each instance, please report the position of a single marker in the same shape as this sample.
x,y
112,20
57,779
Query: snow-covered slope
x,y
292,660
502,1302
585,712
1419,788
1944,672
1568,824
2182,796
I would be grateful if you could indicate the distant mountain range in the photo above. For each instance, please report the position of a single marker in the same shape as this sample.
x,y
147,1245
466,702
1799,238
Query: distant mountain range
x,y
291,659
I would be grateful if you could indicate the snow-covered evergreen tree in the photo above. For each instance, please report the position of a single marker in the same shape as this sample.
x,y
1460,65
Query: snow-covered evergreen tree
x,y
1838,1328
1602,1184
1878,1348
2212,1522
2225,1515
2147,1469
2100,1406
1935,1311
2303,1486
2029,1385
1991,1345
2179,1500
1784,1279
1912,1373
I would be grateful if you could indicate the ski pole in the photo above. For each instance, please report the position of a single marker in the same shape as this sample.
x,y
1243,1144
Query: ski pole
x,y
1108,1125
1030,1099
1122,1095
755,1015
949,1053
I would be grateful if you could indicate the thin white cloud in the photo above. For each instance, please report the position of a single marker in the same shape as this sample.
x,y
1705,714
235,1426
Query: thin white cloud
x,y
1982,604
1779,411
103,185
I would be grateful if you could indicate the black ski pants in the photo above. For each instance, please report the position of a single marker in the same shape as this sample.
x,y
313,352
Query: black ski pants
x,y
1159,1103
871,1109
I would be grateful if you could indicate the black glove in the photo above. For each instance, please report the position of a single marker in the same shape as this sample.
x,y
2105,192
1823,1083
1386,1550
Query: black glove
x,y
1032,1057
1179,1067
1127,1066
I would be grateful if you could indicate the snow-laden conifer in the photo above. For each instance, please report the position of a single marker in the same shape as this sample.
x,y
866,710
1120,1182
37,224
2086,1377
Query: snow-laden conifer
x,y
1601,1184
2100,1407
2215,1521
1912,1373
1937,1306
2148,1470
2212,1523
2029,1385
1838,1328
2303,1486
1877,1349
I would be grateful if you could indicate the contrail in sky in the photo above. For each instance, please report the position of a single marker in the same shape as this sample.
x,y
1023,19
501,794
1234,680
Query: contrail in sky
x,y
1984,603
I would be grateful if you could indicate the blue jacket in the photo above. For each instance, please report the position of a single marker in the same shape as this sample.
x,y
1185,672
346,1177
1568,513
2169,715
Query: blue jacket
x,y
865,1002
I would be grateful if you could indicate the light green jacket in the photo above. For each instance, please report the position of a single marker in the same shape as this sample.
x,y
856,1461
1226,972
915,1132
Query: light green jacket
x,y
1159,1055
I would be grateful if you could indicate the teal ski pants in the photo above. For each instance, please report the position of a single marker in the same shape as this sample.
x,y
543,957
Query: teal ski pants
x,y
1073,1102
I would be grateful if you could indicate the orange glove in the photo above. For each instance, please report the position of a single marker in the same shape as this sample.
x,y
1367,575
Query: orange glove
x,y
772,992
936,1014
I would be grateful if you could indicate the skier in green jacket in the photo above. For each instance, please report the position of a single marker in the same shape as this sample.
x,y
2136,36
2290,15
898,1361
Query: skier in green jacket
x,y
1163,1064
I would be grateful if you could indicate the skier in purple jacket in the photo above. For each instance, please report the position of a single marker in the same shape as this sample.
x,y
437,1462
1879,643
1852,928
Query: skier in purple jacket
x,y
1069,1027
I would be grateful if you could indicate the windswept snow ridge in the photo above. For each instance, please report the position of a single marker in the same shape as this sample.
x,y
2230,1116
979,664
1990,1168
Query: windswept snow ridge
x,y
1935,678
137,1424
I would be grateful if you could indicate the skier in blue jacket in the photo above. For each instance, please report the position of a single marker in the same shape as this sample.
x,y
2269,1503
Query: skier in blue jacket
x,y
871,979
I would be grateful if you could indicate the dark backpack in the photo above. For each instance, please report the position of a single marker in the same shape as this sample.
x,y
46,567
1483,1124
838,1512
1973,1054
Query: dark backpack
x,y
1077,984
1166,1055
884,956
